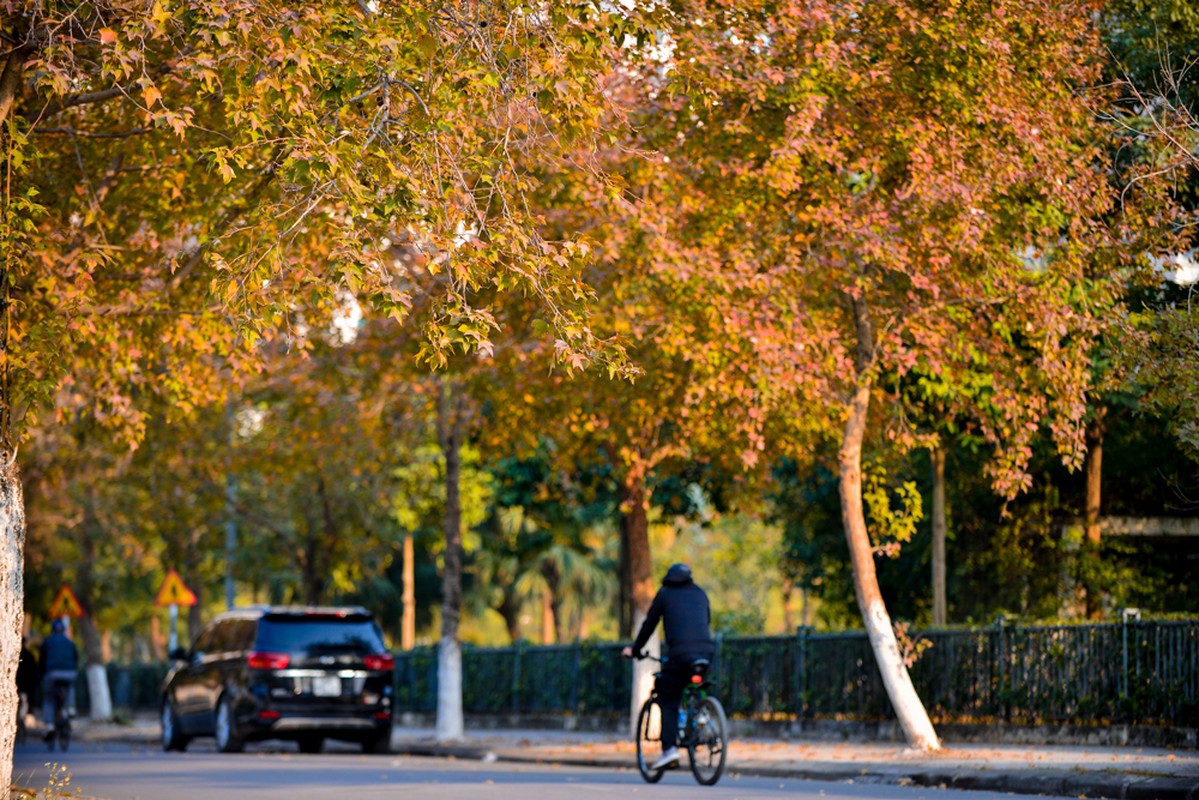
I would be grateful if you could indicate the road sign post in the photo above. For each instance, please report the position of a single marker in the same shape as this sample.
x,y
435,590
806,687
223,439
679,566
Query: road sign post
x,y
172,595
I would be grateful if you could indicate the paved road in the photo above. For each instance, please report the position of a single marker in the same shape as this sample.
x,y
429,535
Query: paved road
x,y
125,772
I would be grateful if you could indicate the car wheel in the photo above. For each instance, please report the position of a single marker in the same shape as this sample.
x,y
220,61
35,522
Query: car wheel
x,y
311,744
172,733
378,745
227,740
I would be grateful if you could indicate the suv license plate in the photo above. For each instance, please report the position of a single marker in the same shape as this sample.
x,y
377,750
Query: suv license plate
x,y
326,686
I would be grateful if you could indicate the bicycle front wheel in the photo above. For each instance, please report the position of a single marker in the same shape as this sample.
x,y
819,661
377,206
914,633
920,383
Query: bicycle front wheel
x,y
708,745
649,740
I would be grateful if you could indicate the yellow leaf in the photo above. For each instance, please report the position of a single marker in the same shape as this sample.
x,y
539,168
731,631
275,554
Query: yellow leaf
x,y
151,95
107,36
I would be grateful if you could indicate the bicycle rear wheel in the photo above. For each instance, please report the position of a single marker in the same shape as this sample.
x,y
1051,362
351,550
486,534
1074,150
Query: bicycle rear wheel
x,y
649,740
708,745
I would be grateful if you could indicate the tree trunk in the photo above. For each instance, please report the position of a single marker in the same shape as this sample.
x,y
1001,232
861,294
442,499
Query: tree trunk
x,y
99,695
158,649
450,723
624,595
547,616
308,571
1096,430
408,620
939,529
12,603
555,581
909,710
319,535
195,614
634,508
509,609
787,590
11,77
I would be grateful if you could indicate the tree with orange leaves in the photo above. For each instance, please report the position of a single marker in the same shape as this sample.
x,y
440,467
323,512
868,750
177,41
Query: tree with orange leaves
x,y
863,189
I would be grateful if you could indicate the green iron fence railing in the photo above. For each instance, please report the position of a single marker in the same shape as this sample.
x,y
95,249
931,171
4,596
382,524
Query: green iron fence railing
x,y
1128,672
1124,672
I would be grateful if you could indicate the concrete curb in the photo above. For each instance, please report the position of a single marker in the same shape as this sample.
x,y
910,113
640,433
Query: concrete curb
x,y
1064,783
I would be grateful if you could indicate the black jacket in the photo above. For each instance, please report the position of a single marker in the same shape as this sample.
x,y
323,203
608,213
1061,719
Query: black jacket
x,y
684,611
27,671
58,654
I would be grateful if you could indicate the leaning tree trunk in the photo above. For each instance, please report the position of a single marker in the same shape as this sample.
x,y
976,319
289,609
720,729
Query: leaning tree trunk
x,y
12,603
450,725
909,710
939,530
634,509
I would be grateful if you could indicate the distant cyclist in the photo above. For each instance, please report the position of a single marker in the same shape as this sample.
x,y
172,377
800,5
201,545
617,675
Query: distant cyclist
x,y
59,662
686,617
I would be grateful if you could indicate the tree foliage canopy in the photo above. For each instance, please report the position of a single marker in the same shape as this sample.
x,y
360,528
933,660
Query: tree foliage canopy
x,y
186,177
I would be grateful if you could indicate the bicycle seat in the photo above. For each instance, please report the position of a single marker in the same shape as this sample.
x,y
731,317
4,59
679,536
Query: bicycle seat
x,y
700,665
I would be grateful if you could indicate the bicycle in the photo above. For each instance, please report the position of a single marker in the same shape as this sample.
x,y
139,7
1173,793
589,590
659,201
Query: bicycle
x,y
702,728
60,694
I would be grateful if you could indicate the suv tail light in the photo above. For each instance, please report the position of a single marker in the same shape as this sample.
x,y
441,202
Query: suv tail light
x,y
259,660
380,661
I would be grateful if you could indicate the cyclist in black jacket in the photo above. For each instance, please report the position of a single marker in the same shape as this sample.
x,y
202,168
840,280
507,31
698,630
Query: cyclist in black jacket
x,y
59,662
686,617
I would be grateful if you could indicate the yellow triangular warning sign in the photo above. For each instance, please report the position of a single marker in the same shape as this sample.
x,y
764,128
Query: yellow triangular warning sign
x,y
65,604
174,593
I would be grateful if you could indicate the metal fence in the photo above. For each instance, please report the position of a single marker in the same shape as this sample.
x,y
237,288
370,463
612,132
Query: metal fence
x,y
131,687
1130,672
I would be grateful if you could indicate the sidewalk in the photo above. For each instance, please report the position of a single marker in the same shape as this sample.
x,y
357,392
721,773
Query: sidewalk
x,y
1092,772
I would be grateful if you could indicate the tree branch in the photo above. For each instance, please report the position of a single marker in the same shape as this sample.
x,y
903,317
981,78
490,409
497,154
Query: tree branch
x,y
53,108
228,218
69,131
10,79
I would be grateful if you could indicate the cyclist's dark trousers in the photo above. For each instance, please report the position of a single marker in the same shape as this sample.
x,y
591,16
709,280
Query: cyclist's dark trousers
x,y
675,675
65,675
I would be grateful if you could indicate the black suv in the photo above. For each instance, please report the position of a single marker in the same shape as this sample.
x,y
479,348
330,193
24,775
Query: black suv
x,y
300,673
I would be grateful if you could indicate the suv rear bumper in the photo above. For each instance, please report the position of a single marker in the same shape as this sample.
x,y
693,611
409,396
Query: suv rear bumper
x,y
259,720
341,724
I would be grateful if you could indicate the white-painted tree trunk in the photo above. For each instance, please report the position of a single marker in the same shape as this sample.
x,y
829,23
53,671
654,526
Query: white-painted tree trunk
x,y
12,604
917,727
643,673
450,724
99,697
909,710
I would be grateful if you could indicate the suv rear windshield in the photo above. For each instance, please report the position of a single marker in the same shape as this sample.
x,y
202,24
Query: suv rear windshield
x,y
319,636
